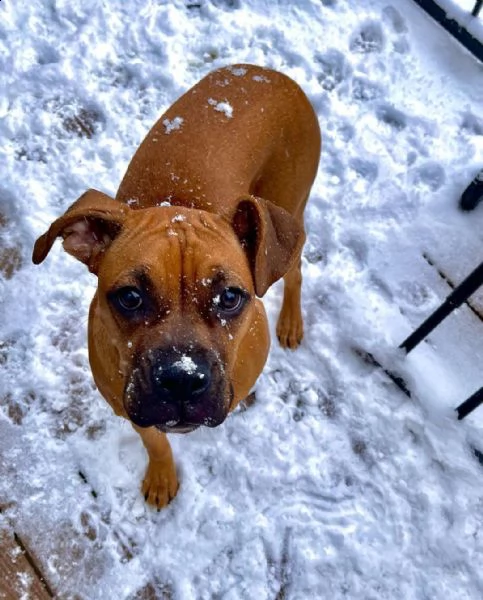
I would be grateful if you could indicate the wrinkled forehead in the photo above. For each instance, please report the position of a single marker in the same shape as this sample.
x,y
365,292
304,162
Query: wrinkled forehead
x,y
174,243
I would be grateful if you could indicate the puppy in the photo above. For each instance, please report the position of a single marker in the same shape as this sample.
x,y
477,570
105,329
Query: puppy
x,y
207,217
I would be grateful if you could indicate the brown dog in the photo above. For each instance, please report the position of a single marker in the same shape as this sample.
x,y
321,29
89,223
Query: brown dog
x,y
207,217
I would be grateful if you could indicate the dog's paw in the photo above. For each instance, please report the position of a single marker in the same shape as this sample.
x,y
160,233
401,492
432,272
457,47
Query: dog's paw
x,y
160,483
290,329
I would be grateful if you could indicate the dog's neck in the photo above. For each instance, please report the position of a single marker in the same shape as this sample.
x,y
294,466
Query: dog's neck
x,y
222,206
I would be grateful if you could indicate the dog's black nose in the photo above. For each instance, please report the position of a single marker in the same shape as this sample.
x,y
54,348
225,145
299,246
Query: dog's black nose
x,y
182,380
177,387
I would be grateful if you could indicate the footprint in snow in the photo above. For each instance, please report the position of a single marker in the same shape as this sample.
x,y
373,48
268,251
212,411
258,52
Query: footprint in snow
x,y
331,507
357,251
334,69
414,296
430,175
368,39
472,124
395,19
365,90
391,116
365,169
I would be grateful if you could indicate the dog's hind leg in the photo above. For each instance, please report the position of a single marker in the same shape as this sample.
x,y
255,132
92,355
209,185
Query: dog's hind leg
x,y
290,325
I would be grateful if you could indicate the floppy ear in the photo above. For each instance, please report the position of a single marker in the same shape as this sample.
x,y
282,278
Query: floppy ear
x,y
271,237
87,228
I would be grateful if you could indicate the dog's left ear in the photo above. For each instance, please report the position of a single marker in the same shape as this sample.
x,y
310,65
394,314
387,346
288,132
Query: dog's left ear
x,y
87,228
270,236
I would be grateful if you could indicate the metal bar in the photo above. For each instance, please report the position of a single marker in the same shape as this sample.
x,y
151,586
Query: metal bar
x,y
453,27
370,359
477,7
461,293
470,404
473,194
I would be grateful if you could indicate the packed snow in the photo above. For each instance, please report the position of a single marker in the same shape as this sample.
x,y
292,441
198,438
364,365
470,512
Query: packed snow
x,y
333,484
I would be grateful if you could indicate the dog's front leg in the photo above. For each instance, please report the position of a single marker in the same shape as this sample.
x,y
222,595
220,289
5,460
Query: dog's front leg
x,y
160,483
290,325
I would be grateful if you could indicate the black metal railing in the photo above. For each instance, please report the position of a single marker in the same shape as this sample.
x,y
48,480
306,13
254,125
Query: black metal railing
x,y
477,7
456,29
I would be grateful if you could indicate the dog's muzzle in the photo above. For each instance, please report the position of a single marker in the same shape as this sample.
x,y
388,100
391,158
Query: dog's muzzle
x,y
177,390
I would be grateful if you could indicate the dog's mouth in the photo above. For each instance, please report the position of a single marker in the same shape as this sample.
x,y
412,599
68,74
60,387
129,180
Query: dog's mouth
x,y
168,428
177,392
175,417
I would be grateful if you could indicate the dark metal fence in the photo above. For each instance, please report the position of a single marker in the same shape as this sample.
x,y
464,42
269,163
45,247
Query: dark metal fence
x,y
457,30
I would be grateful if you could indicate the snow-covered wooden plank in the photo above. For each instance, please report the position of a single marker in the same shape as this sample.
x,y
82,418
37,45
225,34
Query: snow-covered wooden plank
x,y
454,346
18,577
46,487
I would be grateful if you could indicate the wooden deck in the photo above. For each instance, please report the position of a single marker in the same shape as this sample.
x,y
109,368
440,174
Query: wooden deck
x,y
24,567
19,572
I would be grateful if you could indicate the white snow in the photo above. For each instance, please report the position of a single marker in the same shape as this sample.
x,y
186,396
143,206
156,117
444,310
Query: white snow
x,y
261,78
333,484
238,71
223,107
186,364
172,125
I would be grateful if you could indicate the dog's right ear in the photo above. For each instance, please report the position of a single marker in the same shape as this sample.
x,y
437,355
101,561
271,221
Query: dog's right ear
x,y
87,228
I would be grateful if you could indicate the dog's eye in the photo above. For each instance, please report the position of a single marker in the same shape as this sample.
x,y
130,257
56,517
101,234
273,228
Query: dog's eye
x,y
129,298
230,301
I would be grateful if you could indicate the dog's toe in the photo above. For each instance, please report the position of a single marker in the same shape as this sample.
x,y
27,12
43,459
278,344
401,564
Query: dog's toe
x,y
160,484
290,333
290,325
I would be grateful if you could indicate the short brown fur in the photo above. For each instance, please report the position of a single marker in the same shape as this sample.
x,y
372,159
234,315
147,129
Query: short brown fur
x,y
214,196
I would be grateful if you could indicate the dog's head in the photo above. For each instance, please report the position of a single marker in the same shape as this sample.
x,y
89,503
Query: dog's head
x,y
177,298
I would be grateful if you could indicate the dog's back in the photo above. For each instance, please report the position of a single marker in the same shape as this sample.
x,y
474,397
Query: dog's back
x,y
242,129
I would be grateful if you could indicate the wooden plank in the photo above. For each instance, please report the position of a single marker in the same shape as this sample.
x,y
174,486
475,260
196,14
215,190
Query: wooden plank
x,y
19,575
68,547
456,253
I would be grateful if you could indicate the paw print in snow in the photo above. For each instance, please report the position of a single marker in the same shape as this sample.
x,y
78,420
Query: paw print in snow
x,y
369,38
392,116
364,90
415,297
334,69
395,19
431,175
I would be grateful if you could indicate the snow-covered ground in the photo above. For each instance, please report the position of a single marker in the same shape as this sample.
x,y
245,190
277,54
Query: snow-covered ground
x,y
334,484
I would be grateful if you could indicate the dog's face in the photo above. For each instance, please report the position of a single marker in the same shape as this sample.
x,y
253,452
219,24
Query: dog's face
x,y
175,295
179,334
